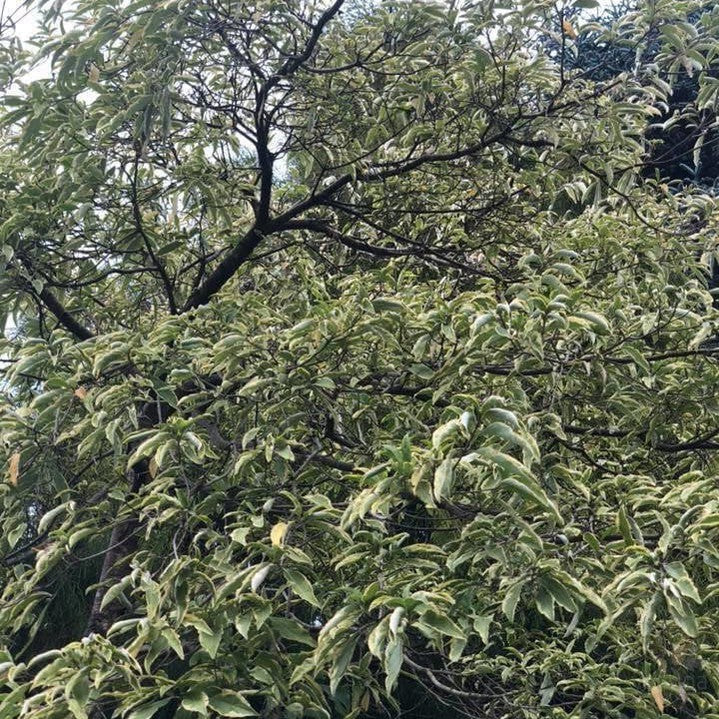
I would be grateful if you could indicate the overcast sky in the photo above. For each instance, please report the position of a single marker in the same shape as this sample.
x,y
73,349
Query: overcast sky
x,y
22,15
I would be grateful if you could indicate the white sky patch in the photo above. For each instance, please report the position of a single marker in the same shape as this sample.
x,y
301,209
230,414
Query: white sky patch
x,y
19,17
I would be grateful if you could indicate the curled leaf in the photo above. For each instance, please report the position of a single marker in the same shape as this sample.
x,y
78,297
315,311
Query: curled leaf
x,y
277,534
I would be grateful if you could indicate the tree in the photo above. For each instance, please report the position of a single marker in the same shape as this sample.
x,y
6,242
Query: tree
x,y
354,370
684,135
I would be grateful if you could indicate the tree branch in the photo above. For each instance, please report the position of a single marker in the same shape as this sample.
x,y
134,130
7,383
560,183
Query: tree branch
x,y
137,217
225,270
63,316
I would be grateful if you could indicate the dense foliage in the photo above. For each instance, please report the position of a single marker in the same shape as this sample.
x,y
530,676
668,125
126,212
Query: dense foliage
x,y
353,367
683,139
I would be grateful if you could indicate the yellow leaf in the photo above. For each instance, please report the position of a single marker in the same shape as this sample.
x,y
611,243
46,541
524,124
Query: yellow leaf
x,y
152,466
658,697
14,468
568,29
277,534
80,392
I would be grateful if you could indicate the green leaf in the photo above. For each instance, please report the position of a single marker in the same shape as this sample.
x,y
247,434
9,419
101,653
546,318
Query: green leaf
x,y
442,623
77,693
445,431
624,527
528,489
545,603
481,626
443,477
596,320
147,710
682,581
231,704
393,659
683,615
342,655
49,517
301,586
559,592
648,615
511,599
508,465
210,641
195,700
291,630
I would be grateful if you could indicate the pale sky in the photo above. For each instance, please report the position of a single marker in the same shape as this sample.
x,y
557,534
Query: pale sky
x,y
22,13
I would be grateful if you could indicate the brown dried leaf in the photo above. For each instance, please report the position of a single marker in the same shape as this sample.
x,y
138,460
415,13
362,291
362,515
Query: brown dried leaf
x,y
658,695
569,31
14,468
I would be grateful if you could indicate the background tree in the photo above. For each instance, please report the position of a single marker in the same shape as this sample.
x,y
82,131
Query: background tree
x,y
684,136
354,366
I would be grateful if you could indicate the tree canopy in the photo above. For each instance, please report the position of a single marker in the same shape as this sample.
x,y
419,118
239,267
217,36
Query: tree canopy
x,y
684,135
354,365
